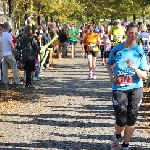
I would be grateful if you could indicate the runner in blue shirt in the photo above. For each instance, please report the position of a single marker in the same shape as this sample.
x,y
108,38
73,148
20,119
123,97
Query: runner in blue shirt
x,y
129,69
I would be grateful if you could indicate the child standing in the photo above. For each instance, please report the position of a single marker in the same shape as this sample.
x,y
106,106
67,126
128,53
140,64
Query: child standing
x,y
37,70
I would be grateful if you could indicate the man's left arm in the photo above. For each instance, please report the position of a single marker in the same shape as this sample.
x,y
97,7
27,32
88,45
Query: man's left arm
x,y
10,41
12,45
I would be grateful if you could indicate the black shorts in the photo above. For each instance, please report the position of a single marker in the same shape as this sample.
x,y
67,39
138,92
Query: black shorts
x,y
106,54
102,50
73,43
93,53
126,105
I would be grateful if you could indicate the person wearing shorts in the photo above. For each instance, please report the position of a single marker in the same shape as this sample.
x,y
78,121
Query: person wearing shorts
x,y
107,46
73,34
117,33
93,40
129,69
82,33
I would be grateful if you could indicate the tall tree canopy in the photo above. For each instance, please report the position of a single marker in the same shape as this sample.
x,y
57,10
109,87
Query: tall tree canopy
x,y
81,10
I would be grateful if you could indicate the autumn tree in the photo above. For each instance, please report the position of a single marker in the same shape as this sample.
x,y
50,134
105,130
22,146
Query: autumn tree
x,y
81,10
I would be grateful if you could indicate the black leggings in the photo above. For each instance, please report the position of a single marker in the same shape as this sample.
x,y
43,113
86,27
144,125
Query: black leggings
x,y
29,67
102,51
126,105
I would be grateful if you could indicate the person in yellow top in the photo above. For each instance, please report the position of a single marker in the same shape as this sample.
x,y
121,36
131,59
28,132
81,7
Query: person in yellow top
x,y
93,41
117,33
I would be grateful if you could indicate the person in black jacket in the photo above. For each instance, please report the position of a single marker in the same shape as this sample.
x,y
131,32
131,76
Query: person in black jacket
x,y
28,39
62,42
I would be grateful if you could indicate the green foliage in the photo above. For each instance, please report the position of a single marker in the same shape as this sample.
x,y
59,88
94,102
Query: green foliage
x,y
81,10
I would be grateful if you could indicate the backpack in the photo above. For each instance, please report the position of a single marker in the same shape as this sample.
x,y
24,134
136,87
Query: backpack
x,y
28,53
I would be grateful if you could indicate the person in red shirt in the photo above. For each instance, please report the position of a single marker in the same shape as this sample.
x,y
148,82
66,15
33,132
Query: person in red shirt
x,y
13,36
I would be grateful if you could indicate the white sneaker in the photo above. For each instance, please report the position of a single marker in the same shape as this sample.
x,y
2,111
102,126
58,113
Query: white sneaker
x,y
19,83
41,75
115,143
125,148
94,76
9,83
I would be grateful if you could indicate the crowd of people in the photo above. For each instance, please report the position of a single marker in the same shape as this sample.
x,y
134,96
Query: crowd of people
x,y
124,51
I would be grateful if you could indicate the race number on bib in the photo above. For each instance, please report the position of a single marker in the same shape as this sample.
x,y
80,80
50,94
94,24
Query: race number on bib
x,y
123,80
118,36
144,39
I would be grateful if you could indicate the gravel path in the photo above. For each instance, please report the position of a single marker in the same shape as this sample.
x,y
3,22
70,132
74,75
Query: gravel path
x,y
68,113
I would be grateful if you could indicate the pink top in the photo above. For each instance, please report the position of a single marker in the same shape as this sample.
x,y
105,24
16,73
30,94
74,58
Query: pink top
x,y
36,62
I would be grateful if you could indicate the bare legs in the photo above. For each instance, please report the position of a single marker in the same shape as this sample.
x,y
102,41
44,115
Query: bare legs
x,y
92,63
128,132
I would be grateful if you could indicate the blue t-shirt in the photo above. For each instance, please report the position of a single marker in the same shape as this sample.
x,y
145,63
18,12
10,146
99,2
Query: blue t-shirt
x,y
97,30
117,57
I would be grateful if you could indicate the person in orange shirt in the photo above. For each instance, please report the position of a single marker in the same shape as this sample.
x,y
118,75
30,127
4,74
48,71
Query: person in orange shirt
x,y
93,41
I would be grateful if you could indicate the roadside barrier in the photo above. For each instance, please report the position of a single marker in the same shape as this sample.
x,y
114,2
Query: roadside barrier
x,y
47,50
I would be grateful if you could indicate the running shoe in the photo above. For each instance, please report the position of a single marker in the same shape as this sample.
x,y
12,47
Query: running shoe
x,y
90,76
35,79
94,76
9,83
115,143
103,63
125,148
19,83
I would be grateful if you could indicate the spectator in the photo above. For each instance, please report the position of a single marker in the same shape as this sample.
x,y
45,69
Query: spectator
x,y
27,41
62,42
8,49
13,36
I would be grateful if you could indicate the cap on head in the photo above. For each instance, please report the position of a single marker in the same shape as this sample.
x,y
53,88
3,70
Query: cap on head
x,y
118,21
143,27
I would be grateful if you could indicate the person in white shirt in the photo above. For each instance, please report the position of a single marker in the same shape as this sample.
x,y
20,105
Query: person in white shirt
x,y
30,18
9,60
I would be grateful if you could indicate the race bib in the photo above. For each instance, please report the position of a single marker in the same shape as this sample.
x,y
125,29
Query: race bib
x,y
145,47
118,36
91,47
123,80
144,39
